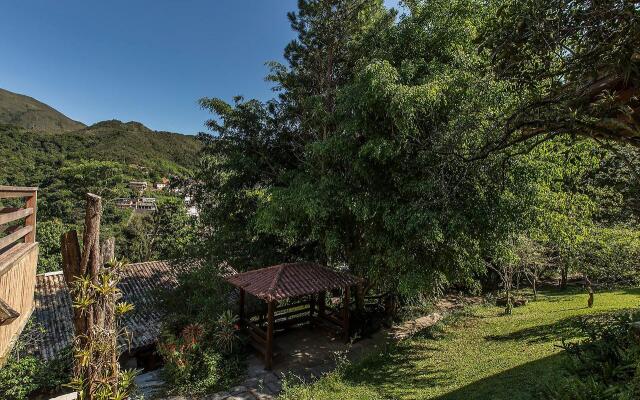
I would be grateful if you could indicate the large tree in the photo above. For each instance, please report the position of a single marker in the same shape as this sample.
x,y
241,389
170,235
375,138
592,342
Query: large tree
x,y
576,65
353,165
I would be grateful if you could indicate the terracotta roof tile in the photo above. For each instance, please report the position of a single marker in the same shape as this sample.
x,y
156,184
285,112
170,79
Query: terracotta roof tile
x,y
139,286
290,280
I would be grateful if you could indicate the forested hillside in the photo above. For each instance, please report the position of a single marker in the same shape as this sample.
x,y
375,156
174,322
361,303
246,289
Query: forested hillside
x,y
29,113
100,159
26,157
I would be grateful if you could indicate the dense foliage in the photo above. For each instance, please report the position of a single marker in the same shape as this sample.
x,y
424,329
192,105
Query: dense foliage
x,y
102,159
200,360
24,376
576,66
377,154
606,365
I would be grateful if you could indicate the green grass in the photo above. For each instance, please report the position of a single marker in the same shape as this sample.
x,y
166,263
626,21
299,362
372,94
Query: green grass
x,y
484,356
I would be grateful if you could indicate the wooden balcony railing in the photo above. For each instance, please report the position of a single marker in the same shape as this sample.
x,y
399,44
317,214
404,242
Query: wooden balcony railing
x,y
18,261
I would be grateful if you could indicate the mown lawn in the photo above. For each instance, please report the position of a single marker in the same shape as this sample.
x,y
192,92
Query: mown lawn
x,y
484,355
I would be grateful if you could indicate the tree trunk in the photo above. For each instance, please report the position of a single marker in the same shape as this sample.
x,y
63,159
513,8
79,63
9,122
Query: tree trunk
x,y
535,289
564,272
93,321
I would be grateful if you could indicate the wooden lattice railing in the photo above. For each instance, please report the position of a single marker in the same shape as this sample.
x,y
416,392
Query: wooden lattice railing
x,y
18,261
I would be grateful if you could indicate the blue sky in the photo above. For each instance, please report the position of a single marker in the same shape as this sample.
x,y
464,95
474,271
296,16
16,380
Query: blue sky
x,y
148,61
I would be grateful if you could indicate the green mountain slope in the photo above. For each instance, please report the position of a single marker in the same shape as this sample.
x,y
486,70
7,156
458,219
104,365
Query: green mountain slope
x,y
36,140
28,158
29,113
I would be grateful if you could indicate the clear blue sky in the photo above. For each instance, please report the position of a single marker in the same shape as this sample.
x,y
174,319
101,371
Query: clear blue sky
x,y
148,61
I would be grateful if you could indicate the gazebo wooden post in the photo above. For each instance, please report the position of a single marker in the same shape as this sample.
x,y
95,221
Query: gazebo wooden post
x,y
241,308
345,313
269,350
322,301
359,297
312,307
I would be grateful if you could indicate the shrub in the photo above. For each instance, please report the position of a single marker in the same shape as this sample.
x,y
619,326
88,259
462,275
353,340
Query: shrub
x,y
22,377
605,365
198,361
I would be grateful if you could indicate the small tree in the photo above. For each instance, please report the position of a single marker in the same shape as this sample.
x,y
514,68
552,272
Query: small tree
x,y
533,260
506,265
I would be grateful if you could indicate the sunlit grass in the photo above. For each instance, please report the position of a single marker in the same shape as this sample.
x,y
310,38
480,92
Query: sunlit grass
x,y
484,356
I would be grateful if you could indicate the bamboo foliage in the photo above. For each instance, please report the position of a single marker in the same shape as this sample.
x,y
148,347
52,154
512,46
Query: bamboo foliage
x,y
94,292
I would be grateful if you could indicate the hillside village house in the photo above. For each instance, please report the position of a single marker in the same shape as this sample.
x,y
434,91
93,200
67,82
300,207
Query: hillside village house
x,y
163,184
138,186
144,204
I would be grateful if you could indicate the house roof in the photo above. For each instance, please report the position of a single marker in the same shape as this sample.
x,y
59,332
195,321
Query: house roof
x,y
290,280
140,286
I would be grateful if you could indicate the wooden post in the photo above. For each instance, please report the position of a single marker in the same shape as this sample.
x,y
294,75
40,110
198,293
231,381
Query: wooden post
x,y
75,265
241,308
345,313
108,250
32,202
269,350
322,303
359,298
312,308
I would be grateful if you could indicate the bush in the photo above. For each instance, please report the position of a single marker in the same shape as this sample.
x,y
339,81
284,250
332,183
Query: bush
x,y
198,361
23,377
605,365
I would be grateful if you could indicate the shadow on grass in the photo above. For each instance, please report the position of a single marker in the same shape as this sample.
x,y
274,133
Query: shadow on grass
x,y
567,328
557,294
397,374
524,382
399,364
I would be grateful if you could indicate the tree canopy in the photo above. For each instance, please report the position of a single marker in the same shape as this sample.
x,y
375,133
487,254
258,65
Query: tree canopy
x,y
417,148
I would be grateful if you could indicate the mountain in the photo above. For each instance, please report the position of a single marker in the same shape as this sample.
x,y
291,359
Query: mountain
x,y
28,113
36,140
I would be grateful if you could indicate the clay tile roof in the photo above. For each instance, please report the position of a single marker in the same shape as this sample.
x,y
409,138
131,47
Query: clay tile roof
x,y
290,280
139,286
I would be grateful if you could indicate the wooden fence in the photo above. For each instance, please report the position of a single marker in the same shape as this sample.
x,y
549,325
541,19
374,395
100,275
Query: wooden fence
x,y
18,262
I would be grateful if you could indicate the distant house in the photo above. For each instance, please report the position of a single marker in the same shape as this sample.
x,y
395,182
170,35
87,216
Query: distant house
x,y
138,186
140,287
192,210
163,184
143,204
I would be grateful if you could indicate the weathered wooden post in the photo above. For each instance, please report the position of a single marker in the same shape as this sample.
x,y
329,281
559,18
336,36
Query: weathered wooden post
x,y
345,313
241,308
322,303
270,322
94,295
359,297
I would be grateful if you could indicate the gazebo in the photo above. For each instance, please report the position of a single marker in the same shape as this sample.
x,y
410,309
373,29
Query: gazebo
x,y
304,283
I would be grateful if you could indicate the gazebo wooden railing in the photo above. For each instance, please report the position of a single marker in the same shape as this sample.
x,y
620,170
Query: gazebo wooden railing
x,y
294,294
18,261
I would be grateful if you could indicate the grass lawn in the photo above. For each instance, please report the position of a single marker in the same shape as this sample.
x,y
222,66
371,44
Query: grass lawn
x,y
483,356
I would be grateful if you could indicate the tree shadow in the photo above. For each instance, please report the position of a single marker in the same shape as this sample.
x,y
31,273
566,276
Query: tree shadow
x,y
399,367
398,373
524,382
567,329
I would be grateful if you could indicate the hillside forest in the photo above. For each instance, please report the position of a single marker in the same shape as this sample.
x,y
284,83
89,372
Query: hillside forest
x,y
102,159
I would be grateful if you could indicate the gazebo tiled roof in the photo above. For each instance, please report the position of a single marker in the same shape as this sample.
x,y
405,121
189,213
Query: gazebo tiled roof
x,y
284,281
